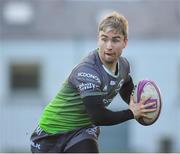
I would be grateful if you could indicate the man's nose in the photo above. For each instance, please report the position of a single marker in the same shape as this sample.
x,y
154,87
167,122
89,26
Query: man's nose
x,y
109,45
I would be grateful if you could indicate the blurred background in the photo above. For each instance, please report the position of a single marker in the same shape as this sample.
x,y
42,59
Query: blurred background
x,y
42,40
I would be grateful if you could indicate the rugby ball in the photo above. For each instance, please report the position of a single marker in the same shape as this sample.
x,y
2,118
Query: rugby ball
x,y
148,89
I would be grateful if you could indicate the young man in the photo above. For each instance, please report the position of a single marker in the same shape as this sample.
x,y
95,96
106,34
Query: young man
x,y
70,122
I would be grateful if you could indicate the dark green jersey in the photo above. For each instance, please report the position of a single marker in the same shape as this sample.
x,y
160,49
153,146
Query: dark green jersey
x,y
66,111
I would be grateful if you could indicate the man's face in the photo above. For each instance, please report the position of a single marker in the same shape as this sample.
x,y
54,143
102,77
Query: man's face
x,y
111,43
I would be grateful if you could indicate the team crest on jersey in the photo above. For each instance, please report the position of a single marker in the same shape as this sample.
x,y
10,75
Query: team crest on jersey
x,y
112,83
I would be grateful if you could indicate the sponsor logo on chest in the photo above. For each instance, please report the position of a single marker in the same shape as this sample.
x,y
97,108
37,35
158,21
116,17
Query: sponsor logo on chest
x,y
86,86
89,76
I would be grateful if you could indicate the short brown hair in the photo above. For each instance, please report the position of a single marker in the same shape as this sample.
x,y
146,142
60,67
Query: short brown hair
x,y
116,21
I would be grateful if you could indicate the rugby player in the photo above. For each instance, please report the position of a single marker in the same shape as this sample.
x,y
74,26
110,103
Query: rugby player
x,y
70,122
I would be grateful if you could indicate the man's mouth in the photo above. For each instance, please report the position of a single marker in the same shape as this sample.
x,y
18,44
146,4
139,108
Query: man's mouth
x,y
109,54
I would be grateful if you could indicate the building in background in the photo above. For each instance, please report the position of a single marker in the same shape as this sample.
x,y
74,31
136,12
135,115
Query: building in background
x,y
42,40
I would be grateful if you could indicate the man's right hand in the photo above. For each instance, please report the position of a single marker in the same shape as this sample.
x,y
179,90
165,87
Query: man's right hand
x,y
140,109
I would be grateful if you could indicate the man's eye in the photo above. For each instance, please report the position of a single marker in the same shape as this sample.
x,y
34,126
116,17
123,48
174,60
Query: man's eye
x,y
115,40
104,39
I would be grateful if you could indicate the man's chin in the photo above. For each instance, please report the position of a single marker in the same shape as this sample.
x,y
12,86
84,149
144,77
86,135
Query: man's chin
x,y
110,60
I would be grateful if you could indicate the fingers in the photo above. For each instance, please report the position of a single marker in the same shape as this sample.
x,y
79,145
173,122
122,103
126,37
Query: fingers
x,y
145,99
148,107
148,110
147,117
145,104
152,104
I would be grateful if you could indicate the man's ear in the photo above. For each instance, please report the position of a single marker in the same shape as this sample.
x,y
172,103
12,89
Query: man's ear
x,y
125,42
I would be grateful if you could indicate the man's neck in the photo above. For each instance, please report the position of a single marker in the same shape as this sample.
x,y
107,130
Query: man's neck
x,y
111,67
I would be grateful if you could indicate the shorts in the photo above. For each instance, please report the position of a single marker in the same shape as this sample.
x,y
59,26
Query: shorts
x,y
42,142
